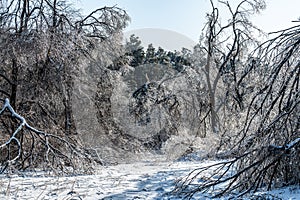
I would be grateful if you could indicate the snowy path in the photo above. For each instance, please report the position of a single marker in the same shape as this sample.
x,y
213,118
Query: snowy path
x,y
125,181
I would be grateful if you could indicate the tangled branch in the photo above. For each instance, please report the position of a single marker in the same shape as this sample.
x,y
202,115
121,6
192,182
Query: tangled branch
x,y
264,151
29,147
242,174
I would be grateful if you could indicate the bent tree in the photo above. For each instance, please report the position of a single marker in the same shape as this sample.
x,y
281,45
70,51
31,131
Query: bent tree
x,y
42,44
264,153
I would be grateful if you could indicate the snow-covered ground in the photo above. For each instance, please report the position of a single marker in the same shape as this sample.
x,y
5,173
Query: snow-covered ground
x,y
143,180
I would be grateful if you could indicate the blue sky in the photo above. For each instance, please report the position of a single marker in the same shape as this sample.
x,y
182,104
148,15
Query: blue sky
x,y
188,16
185,17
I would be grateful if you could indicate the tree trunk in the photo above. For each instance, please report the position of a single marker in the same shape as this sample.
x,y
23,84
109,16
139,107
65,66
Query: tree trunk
x,y
212,91
67,101
14,85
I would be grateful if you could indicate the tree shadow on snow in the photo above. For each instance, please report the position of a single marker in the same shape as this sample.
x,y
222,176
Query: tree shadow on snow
x,y
155,187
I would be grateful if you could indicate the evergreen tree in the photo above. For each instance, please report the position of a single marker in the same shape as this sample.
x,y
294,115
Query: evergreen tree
x,y
135,50
150,55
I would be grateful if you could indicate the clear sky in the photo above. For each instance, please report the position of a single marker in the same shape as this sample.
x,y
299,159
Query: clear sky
x,y
183,16
188,16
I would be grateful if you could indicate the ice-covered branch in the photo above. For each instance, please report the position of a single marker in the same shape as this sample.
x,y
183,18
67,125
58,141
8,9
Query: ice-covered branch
x,y
232,175
56,150
286,147
13,137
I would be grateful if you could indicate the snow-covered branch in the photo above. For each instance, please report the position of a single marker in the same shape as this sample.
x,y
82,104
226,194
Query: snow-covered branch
x,y
286,147
232,175
56,150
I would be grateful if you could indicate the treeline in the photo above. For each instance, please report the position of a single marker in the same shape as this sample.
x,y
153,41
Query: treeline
x,y
135,55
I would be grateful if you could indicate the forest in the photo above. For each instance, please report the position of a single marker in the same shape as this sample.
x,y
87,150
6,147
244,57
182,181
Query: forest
x,y
74,97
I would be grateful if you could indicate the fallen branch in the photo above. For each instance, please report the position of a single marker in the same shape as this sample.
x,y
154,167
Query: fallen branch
x,y
41,148
240,175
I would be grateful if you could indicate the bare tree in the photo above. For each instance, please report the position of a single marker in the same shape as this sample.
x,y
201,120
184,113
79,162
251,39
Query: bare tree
x,y
264,154
222,51
42,46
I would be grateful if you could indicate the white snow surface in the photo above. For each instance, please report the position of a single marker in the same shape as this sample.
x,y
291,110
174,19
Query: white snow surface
x,y
142,180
